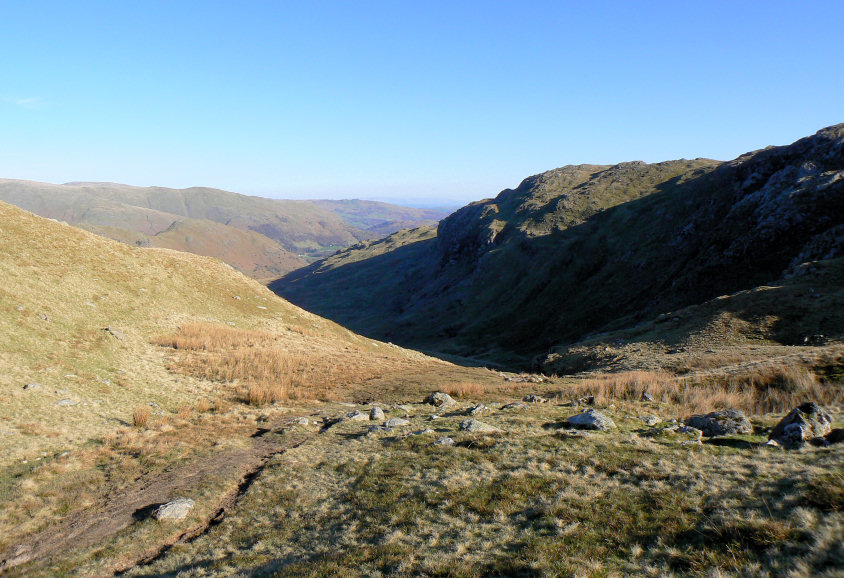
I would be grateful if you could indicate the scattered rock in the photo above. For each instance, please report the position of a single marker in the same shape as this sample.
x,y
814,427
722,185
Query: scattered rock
x,y
440,399
32,385
514,405
773,443
650,420
646,396
174,510
66,402
356,416
376,414
527,379
723,422
473,425
300,421
535,399
478,410
835,436
591,419
395,422
685,429
803,423
588,400
421,432
43,317
444,441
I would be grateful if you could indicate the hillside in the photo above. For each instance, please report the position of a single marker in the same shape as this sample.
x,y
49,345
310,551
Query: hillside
x,y
590,249
263,238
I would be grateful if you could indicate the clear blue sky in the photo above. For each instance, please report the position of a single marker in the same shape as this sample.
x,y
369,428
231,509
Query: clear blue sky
x,y
449,99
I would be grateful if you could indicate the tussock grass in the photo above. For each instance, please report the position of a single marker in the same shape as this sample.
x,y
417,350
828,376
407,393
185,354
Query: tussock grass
x,y
756,390
141,415
464,389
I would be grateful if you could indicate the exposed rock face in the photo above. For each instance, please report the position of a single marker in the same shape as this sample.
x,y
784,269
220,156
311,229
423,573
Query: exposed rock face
x,y
723,422
473,425
803,423
440,399
591,419
174,510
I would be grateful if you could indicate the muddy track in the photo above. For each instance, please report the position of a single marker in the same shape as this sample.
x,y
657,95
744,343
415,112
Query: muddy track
x,y
92,526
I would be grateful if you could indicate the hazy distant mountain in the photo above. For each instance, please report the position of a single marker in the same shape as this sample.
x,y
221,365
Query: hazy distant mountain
x,y
262,237
586,249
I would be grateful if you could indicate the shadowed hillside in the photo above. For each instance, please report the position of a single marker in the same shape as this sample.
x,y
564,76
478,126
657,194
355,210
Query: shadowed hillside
x,y
588,249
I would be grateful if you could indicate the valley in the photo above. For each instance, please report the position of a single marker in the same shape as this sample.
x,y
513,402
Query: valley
x,y
632,369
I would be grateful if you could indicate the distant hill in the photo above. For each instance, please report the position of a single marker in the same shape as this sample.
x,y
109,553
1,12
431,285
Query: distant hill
x,y
263,238
591,249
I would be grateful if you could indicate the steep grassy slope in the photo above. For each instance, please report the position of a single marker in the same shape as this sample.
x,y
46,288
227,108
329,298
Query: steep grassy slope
x,y
64,288
584,249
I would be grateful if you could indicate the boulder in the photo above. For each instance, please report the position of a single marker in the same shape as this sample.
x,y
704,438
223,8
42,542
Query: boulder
x,y
174,510
591,419
803,423
722,422
376,414
356,416
300,421
650,420
444,441
440,399
475,426
835,436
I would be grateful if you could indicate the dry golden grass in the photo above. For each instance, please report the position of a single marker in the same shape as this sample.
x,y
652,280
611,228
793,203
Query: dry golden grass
x,y
261,367
464,389
203,405
755,390
140,416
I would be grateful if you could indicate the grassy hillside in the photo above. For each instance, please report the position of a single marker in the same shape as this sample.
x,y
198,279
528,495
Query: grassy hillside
x,y
263,238
587,249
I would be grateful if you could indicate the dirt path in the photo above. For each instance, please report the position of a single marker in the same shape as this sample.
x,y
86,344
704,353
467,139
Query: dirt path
x,y
118,511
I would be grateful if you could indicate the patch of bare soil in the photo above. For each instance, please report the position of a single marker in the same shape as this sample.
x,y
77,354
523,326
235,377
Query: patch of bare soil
x,y
120,509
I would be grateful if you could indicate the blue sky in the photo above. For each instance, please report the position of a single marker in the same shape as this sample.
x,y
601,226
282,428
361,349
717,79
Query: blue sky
x,y
446,100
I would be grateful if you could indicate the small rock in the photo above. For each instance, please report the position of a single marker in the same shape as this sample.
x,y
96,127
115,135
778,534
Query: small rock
x,y
300,421
588,400
440,399
535,399
435,416
646,396
591,419
802,423
650,420
115,332
473,425
376,414
356,416
444,441
43,317
691,443
723,422
395,422
772,443
514,405
421,432
32,385
478,410
66,402
174,510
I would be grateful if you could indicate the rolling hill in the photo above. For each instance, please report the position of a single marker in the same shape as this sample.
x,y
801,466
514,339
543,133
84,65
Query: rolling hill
x,y
585,250
263,238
